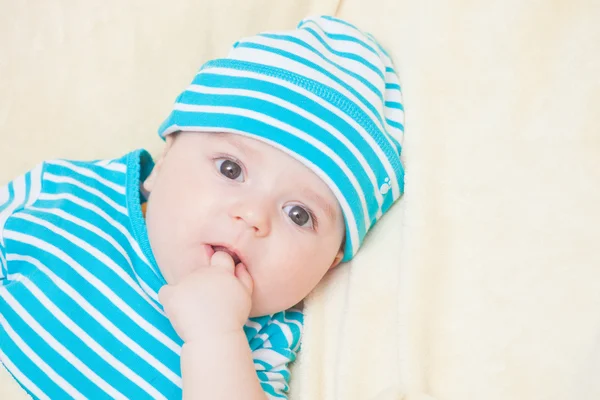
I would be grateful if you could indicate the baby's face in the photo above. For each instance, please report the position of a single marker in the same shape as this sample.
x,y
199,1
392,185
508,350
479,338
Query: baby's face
x,y
228,190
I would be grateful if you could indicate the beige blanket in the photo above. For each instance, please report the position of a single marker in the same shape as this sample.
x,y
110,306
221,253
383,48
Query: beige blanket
x,y
483,281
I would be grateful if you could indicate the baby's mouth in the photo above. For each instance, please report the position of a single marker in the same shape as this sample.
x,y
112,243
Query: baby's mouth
x,y
234,256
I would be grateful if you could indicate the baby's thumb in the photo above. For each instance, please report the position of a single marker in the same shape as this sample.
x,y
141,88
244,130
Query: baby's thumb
x,y
222,260
244,276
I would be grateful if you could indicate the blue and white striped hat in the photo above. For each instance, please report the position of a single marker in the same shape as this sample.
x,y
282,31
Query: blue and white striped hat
x,y
327,94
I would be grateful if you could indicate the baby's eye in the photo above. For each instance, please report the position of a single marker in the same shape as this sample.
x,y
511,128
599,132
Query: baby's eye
x,y
230,169
299,215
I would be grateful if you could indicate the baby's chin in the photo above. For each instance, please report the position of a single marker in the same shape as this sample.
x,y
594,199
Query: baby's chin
x,y
262,311
260,308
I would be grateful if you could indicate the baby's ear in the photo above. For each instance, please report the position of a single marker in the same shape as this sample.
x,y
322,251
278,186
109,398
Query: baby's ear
x,y
150,181
338,259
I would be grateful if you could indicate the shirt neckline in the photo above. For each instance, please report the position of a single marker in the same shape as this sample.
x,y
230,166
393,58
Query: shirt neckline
x,y
139,166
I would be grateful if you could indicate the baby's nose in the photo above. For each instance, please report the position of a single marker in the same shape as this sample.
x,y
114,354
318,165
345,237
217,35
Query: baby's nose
x,y
254,214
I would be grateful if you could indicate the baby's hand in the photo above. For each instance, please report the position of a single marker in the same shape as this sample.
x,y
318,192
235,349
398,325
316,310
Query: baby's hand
x,y
214,299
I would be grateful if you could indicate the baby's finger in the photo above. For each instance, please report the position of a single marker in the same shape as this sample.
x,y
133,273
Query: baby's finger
x,y
244,276
222,260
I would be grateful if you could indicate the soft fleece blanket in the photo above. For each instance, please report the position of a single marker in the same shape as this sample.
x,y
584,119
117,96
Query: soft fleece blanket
x,y
483,281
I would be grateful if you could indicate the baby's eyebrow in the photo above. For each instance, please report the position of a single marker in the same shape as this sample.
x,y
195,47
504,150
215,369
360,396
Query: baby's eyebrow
x,y
323,204
233,140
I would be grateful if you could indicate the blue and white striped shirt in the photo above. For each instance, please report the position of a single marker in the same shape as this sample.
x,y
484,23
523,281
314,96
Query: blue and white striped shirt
x,y
79,311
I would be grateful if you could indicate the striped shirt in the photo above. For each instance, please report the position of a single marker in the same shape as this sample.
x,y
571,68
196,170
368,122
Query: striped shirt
x,y
79,310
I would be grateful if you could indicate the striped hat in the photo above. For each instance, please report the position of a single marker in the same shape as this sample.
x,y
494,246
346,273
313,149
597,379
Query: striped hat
x,y
327,94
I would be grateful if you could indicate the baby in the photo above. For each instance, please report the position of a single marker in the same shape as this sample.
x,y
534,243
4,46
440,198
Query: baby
x,y
130,279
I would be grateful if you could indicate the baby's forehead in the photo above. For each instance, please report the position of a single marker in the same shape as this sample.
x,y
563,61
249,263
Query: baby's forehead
x,y
255,148
247,145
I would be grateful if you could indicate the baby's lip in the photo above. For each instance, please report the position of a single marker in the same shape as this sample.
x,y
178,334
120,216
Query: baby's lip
x,y
233,252
209,251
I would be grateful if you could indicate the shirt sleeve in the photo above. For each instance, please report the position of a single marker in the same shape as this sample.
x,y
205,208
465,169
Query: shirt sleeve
x,y
14,196
4,203
275,341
